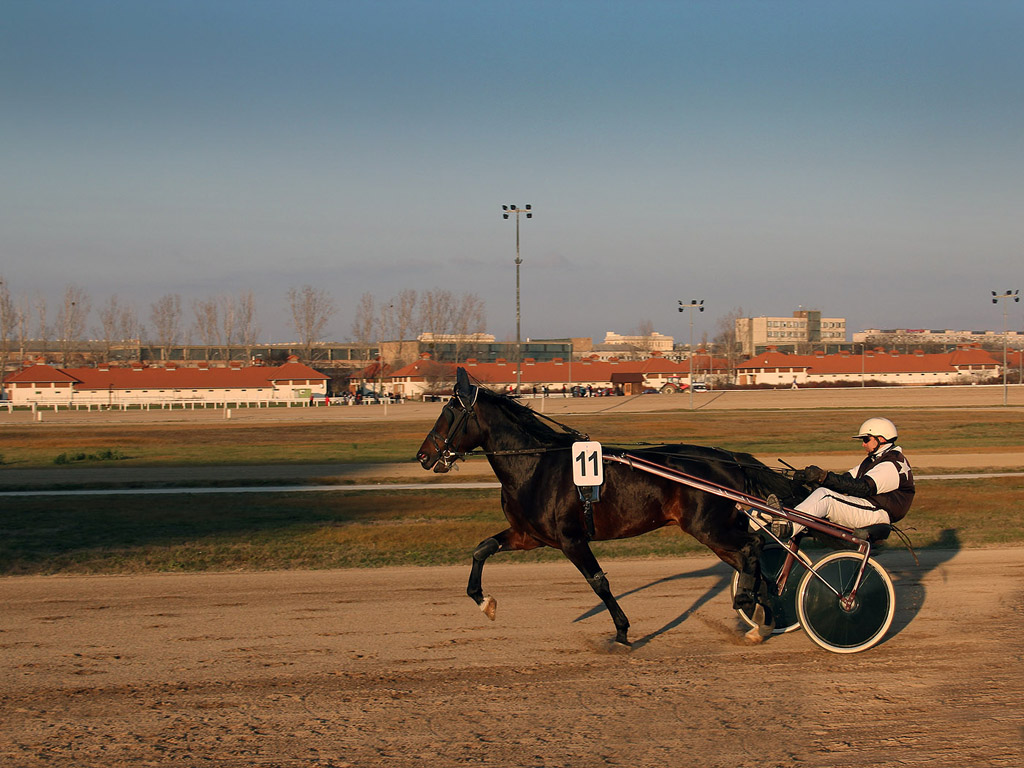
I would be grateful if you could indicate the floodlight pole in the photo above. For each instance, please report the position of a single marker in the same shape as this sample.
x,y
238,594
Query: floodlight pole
x,y
507,210
1004,297
697,304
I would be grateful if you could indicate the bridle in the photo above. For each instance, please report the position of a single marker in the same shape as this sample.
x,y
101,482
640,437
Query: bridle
x,y
447,455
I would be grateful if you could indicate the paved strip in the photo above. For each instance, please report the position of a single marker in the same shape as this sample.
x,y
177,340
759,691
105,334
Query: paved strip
x,y
256,489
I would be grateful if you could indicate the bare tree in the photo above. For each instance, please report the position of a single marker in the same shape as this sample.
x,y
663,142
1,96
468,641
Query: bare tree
x,y
244,322
71,321
207,322
311,309
405,315
365,325
468,318
451,319
728,339
23,318
397,323
130,329
436,311
8,327
43,328
645,334
165,315
119,324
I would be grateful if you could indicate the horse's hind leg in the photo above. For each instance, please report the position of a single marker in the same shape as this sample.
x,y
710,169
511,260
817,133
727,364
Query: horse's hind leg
x,y
752,592
580,555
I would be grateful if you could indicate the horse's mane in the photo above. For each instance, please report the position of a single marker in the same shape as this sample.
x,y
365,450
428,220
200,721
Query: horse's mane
x,y
764,481
525,418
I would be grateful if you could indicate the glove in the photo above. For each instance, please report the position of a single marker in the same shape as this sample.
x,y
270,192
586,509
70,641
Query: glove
x,y
811,475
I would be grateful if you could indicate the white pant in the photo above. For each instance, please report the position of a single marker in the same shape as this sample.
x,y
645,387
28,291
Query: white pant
x,y
851,511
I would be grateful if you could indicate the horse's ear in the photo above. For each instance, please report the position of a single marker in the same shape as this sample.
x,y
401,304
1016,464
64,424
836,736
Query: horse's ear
x,y
464,390
462,386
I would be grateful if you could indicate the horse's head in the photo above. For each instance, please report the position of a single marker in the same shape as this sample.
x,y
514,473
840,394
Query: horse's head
x,y
455,432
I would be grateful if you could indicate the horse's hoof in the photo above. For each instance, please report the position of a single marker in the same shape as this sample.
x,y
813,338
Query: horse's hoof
x,y
489,606
764,627
754,636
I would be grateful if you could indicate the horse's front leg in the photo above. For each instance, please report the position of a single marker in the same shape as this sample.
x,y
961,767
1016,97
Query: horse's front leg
x,y
501,542
579,553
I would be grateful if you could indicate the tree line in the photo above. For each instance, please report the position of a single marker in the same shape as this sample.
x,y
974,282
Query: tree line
x,y
224,321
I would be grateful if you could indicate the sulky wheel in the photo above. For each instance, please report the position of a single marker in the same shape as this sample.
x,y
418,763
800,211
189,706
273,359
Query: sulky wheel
x,y
839,627
773,557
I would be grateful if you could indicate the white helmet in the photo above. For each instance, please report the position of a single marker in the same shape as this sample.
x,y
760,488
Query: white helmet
x,y
878,427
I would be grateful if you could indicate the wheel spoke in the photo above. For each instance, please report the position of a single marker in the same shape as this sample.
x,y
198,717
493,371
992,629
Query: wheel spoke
x,y
823,615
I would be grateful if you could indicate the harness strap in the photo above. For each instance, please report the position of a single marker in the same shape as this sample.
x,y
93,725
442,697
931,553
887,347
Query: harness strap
x,y
906,543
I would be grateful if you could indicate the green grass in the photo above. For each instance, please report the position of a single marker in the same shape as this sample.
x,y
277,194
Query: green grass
x,y
345,529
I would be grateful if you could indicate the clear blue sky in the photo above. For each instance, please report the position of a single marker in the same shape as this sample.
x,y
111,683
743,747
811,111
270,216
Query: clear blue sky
x,y
865,159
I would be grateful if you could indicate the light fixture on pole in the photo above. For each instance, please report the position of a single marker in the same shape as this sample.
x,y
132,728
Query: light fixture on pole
x,y
697,304
996,298
508,210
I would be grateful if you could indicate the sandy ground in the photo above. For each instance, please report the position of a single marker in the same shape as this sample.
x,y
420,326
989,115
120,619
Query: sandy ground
x,y
397,667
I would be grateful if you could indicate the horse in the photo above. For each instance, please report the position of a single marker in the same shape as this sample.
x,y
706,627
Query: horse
x,y
544,507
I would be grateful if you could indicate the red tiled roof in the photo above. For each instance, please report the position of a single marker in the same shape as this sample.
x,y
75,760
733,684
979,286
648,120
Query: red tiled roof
x,y
872,362
558,372
40,374
174,377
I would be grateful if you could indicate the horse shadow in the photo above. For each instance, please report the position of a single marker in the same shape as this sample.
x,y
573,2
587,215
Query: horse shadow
x,y
907,579
723,577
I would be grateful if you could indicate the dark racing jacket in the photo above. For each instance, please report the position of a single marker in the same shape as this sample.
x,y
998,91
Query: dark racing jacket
x,y
884,478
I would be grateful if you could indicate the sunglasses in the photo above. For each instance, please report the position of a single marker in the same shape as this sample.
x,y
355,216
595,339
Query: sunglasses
x,y
868,438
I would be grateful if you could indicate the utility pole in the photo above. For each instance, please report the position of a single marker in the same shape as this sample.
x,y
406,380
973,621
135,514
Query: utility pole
x,y
508,210
695,304
1004,297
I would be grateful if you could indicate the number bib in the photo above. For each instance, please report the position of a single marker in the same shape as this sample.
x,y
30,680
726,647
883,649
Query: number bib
x,y
587,464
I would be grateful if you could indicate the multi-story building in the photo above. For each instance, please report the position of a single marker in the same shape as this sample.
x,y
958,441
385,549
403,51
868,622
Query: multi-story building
x,y
922,337
653,342
805,328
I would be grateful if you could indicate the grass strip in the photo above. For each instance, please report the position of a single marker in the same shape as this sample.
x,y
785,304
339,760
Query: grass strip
x,y
775,433
348,529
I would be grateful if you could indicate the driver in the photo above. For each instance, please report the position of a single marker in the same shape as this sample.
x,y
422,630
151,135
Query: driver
x,y
878,490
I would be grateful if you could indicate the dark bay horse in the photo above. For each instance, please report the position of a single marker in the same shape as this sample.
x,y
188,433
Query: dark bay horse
x,y
543,506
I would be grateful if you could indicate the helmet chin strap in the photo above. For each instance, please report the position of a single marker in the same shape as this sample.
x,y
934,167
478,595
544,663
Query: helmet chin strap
x,y
883,445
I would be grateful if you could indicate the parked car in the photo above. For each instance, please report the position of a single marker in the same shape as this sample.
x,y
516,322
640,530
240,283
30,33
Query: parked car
x,y
700,386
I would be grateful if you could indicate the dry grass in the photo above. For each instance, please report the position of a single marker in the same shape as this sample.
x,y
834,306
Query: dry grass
x,y
812,431
343,529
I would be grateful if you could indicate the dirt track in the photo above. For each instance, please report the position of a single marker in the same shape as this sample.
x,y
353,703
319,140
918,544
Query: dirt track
x,y
396,667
